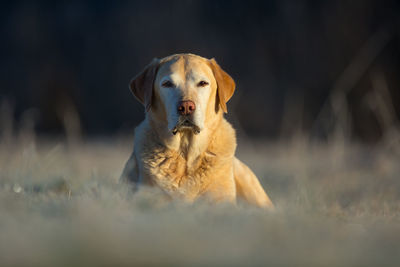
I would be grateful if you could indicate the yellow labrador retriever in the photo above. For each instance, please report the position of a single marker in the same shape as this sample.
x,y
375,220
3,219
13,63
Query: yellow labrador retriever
x,y
185,146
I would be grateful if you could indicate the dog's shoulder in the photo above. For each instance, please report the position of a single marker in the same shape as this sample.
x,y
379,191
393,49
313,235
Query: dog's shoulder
x,y
145,139
223,141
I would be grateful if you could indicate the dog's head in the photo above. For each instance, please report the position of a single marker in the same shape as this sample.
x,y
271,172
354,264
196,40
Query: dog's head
x,y
184,90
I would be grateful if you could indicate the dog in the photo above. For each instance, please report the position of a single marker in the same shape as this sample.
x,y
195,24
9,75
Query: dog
x,y
185,146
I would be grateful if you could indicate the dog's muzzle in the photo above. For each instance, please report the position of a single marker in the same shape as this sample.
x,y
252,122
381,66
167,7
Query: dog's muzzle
x,y
185,124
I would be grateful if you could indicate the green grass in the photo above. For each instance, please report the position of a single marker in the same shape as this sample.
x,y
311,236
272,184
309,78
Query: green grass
x,y
337,205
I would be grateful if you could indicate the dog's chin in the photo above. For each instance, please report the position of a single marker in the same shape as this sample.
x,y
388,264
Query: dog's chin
x,y
186,125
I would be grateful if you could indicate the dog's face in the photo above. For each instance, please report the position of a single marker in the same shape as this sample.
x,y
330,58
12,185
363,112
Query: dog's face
x,y
184,86
184,91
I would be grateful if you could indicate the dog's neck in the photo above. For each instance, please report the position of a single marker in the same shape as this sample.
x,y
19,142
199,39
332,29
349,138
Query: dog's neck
x,y
190,145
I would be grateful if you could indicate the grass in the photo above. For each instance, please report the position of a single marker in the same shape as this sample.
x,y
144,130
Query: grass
x,y
62,205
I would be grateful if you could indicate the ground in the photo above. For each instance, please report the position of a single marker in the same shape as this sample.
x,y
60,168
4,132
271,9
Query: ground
x,y
337,204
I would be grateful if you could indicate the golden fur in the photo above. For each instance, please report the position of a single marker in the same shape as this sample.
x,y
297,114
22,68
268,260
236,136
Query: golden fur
x,y
189,165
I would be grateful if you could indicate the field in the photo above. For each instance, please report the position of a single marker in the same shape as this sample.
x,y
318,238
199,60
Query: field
x,y
338,204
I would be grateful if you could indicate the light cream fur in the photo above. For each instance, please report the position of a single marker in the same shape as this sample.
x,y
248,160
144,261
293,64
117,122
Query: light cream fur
x,y
189,165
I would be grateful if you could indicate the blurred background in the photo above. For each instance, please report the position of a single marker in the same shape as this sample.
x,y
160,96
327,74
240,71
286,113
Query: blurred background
x,y
314,68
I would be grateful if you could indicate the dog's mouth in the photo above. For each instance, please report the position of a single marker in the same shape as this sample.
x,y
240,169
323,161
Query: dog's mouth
x,y
185,124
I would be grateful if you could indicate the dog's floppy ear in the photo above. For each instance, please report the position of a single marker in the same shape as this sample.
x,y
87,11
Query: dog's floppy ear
x,y
225,84
142,84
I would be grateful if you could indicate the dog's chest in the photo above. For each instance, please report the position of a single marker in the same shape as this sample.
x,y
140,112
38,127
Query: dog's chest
x,y
170,170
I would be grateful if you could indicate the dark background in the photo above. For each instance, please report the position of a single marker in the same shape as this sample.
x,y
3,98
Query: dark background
x,y
300,66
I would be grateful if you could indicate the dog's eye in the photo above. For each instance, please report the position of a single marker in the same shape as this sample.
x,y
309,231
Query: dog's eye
x,y
202,83
167,84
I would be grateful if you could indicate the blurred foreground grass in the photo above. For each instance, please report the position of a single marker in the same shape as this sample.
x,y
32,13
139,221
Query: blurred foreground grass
x,y
337,205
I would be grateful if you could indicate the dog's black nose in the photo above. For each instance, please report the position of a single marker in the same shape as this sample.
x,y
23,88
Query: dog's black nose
x,y
186,107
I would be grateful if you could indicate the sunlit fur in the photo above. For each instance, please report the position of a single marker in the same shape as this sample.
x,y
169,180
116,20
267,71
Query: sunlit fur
x,y
190,165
